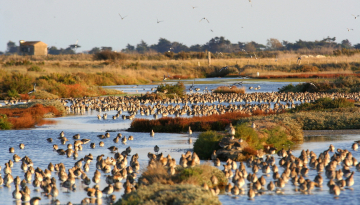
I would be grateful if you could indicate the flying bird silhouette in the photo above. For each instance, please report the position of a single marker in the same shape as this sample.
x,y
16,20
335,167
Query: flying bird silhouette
x,y
158,21
194,7
122,18
355,16
350,29
205,19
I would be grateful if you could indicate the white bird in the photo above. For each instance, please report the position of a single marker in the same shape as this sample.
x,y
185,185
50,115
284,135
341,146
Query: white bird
x,y
194,7
158,21
205,19
122,18
350,29
32,90
355,16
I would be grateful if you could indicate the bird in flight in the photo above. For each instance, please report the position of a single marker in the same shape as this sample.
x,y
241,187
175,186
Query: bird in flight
x,y
355,16
194,7
122,18
350,29
158,21
211,30
250,2
205,19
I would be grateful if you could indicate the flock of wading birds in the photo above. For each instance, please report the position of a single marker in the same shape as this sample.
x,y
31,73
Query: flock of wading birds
x,y
295,169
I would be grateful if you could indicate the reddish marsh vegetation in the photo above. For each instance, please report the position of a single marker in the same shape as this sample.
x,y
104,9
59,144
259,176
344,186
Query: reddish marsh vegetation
x,y
197,123
29,117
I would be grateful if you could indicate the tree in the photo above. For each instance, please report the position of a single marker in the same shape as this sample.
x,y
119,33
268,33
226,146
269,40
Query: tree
x,y
274,44
250,47
346,44
53,50
357,46
106,48
162,46
142,47
94,50
11,47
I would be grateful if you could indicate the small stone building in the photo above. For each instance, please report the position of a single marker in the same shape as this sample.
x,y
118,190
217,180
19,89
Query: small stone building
x,y
36,48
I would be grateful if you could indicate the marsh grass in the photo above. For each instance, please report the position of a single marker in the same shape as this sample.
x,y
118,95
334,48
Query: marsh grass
x,y
170,194
28,117
232,89
197,175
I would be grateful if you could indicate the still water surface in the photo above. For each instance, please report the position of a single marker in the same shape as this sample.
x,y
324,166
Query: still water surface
x,y
88,126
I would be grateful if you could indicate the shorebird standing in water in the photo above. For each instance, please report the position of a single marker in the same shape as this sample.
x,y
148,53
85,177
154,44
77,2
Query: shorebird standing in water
x,y
156,148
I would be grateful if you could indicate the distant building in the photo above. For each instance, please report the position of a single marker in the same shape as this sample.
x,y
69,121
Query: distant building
x,y
36,48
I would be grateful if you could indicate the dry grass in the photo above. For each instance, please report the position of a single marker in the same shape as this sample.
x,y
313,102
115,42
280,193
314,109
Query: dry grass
x,y
232,89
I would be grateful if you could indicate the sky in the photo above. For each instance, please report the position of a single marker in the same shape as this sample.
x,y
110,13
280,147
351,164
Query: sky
x,y
96,23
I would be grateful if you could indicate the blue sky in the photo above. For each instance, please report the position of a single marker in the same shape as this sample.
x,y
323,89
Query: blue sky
x,y
96,23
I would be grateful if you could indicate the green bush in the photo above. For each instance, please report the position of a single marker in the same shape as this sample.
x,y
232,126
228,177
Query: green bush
x,y
34,68
169,194
178,89
277,138
16,83
248,134
324,103
4,123
206,143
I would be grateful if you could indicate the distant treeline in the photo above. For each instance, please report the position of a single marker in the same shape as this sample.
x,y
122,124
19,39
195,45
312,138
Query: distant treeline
x,y
220,45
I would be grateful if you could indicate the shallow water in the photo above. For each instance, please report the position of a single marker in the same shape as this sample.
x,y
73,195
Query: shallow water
x,y
88,126
265,86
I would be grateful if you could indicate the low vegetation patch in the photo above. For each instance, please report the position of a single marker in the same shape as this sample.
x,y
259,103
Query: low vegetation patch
x,y
4,122
342,84
28,117
267,133
197,123
197,175
323,104
178,89
170,194
232,89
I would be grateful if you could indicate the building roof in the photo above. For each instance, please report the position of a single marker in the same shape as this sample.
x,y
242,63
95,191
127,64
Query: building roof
x,y
30,43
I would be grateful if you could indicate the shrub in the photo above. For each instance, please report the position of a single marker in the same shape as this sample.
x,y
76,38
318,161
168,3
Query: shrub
x,y
206,143
110,55
324,103
248,134
34,68
277,138
16,83
232,89
170,194
178,89
28,117
4,122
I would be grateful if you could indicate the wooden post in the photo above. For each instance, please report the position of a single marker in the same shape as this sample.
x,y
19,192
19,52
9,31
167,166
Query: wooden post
x,y
209,58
